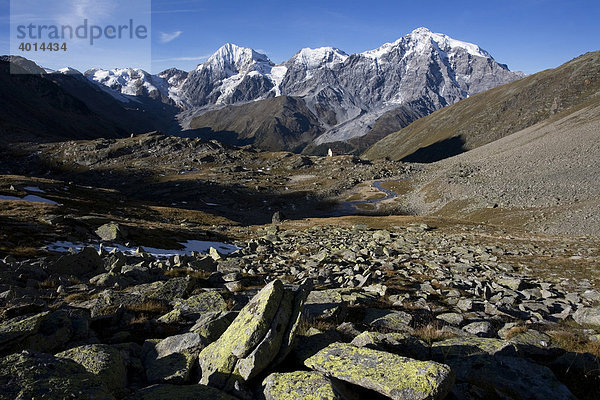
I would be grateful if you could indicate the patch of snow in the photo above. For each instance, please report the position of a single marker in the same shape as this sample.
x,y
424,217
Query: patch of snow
x,y
276,76
29,198
320,57
190,246
68,71
34,189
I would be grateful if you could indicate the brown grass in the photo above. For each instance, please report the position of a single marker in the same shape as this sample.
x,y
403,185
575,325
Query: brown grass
x,y
307,323
514,331
183,272
431,333
575,342
76,297
150,307
50,283
398,187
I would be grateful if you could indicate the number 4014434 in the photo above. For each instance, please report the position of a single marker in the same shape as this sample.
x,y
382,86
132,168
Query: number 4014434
x,y
43,46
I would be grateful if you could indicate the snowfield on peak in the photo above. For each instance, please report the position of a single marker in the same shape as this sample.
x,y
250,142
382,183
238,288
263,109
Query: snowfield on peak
x,y
318,58
235,59
127,80
421,40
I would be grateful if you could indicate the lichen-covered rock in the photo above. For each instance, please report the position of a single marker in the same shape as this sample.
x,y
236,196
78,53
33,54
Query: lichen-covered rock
x,y
451,318
262,355
172,359
325,304
43,332
536,345
86,263
471,346
588,316
398,343
41,376
290,335
389,374
388,319
173,392
479,328
262,334
218,360
174,288
111,232
195,306
103,361
210,326
107,301
300,385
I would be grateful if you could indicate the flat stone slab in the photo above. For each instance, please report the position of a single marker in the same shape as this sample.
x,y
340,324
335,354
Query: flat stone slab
x,y
175,392
299,385
471,346
386,373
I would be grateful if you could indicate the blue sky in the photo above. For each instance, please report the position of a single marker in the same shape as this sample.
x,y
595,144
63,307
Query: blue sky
x,y
528,35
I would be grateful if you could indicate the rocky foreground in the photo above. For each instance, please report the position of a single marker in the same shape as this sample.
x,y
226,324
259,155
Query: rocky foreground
x,y
326,312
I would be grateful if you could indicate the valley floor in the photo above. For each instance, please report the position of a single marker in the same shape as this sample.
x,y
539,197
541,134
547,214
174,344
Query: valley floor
x,y
330,251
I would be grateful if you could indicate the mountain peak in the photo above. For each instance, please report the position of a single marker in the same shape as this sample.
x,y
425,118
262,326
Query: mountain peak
x,y
444,42
421,39
68,71
236,58
321,56
421,31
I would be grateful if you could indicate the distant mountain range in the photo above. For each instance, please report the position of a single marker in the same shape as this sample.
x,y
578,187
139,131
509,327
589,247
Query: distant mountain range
x,y
331,99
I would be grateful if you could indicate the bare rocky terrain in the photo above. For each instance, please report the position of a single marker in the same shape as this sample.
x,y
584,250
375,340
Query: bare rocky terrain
x,y
542,178
155,267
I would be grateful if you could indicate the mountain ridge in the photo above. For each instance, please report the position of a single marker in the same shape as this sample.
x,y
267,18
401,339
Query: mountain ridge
x,y
416,75
489,116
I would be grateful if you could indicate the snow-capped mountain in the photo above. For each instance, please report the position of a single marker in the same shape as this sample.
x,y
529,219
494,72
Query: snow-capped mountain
x,y
68,71
233,74
422,71
175,79
132,82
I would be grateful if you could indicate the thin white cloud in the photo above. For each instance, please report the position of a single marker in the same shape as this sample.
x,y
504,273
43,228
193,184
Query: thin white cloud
x,y
177,11
169,37
198,58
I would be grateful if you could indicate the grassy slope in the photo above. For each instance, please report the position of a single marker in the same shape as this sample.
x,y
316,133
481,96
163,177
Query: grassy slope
x,y
499,112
